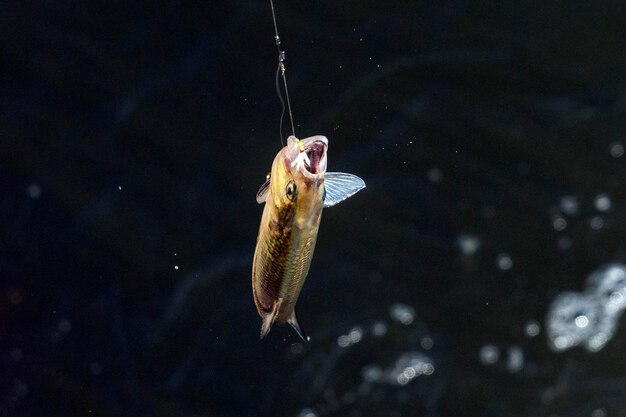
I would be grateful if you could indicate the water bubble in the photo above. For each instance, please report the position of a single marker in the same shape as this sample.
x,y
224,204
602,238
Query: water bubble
x,y
34,191
616,149
515,359
569,205
572,319
403,313
564,242
504,262
95,368
21,389
468,244
372,373
598,412
176,267
409,366
435,175
307,412
410,372
16,355
15,297
608,283
65,326
355,335
427,343
581,321
489,354
401,379
296,348
379,328
343,340
596,223
559,223
597,341
602,202
532,328
428,369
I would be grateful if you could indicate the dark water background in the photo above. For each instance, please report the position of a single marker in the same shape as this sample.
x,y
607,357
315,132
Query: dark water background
x,y
133,139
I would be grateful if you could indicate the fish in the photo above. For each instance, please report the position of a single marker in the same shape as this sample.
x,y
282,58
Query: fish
x,y
296,191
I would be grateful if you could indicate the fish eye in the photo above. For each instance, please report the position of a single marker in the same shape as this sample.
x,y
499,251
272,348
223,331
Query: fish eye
x,y
268,176
290,191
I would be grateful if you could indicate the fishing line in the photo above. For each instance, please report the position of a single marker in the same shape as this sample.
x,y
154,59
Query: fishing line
x,y
281,71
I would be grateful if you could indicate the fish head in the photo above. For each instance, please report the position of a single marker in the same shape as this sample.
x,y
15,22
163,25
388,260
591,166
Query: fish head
x,y
297,176
307,157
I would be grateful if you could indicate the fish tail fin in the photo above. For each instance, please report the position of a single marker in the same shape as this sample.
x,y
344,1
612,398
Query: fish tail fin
x,y
269,318
293,320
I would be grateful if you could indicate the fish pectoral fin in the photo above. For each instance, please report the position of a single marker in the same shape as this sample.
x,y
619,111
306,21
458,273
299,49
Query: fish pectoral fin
x,y
261,195
293,320
269,318
340,186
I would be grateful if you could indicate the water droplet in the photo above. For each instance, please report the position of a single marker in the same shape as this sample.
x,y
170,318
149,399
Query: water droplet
x,y
489,354
435,175
602,202
572,319
403,313
504,262
515,359
355,335
581,321
95,368
409,366
16,355
532,328
65,326
15,297
559,223
608,283
379,328
598,412
468,244
616,149
427,342
21,389
34,191
307,412
343,341
569,205
596,223
372,373
296,348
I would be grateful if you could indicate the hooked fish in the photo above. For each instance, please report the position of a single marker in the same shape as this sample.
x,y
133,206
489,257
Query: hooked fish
x,y
296,191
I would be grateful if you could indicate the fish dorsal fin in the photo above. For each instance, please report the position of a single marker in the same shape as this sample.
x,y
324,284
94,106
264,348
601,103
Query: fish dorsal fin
x,y
340,186
293,320
269,318
261,195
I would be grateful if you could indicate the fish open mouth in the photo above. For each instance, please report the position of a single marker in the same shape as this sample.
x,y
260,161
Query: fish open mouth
x,y
315,162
